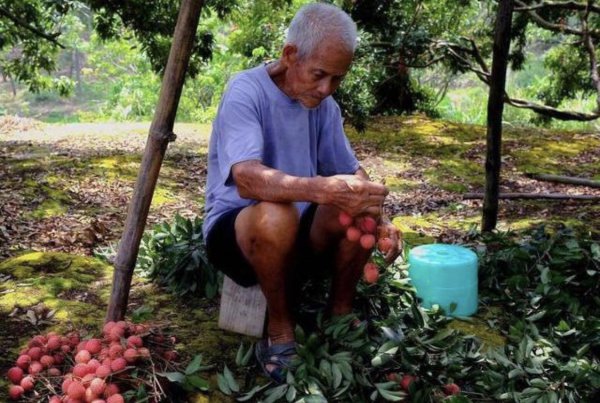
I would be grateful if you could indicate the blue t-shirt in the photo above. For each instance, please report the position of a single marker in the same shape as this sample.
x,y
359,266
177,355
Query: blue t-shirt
x,y
257,121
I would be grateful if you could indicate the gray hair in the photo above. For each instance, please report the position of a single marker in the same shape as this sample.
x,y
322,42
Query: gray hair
x,y
316,22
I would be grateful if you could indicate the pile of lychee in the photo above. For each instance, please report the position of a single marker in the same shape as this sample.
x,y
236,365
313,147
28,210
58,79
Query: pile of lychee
x,y
363,229
88,370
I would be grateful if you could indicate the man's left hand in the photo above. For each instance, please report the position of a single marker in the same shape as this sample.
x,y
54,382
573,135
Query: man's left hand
x,y
386,229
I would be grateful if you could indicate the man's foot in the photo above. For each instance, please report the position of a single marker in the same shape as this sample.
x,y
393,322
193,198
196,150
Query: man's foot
x,y
275,359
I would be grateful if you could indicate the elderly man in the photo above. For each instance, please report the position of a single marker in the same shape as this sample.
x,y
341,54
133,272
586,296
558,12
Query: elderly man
x,y
280,172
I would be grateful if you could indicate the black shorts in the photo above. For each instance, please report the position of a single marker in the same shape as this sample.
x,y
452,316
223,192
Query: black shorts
x,y
225,254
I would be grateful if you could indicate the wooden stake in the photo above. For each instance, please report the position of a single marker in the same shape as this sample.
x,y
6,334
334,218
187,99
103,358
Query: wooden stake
x,y
161,132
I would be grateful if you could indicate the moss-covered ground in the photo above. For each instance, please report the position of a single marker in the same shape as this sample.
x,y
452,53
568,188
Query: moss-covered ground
x,y
65,189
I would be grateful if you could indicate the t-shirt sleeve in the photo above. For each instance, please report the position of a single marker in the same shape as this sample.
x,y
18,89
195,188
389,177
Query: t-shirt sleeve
x,y
240,133
335,155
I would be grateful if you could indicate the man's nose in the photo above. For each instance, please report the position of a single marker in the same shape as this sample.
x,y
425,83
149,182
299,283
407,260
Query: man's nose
x,y
326,86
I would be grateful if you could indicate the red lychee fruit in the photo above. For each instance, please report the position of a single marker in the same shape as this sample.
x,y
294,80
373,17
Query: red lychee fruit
x,y
134,342
15,374
115,350
170,355
65,348
116,398
111,389
54,371
370,273
406,381
27,383
76,391
451,389
90,395
83,357
23,361
80,370
15,392
118,364
35,353
130,355
108,327
97,386
385,244
54,399
143,352
65,385
47,361
345,219
103,371
368,225
353,234
53,343
35,368
37,341
87,379
367,241
59,358
93,346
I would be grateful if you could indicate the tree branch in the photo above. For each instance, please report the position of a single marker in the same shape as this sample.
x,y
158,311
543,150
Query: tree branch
x,y
563,5
552,26
24,24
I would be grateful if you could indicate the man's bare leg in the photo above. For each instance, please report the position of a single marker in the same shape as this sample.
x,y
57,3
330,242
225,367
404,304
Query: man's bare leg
x,y
349,258
266,233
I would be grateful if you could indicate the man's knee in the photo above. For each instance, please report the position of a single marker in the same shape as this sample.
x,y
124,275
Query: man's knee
x,y
270,223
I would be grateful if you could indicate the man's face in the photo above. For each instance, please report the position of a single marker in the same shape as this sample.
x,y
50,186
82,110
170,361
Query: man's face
x,y
315,77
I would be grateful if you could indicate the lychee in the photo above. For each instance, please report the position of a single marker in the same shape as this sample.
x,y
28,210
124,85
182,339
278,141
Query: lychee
x,y
15,374
385,244
47,361
118,364
103,371
353,234
27,383
15,392
83,357
370,273
367,241
451,389
23,361
35,368
97,386
53,343
134,341
368,225
76,391
345,219
93,346
116,398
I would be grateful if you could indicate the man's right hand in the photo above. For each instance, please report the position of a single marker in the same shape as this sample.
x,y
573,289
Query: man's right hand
x,y
355,195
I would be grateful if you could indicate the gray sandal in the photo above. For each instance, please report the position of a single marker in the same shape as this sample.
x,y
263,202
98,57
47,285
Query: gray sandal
x,y
278,355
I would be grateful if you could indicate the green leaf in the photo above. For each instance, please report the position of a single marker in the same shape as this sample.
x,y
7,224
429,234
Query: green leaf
x,y
223,385
198,382
231,382
173,376
250,394
195,365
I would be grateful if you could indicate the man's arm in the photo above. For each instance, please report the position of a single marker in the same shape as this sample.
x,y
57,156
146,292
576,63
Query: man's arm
x,y
350,193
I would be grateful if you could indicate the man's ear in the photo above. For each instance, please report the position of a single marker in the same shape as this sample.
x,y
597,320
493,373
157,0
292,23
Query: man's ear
x,y
289,54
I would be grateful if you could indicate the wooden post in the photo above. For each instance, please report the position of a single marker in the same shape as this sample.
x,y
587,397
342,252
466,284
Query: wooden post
x,y
161,132
494,114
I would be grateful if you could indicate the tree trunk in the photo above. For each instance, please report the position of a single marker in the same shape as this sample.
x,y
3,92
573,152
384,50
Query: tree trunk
x,y
156,145
494,114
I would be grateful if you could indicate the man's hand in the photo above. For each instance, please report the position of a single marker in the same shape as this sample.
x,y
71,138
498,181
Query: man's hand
x,y
355,195
387,231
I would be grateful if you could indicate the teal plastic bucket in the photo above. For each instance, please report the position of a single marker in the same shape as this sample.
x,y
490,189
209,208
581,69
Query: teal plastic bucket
x,y
445,275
